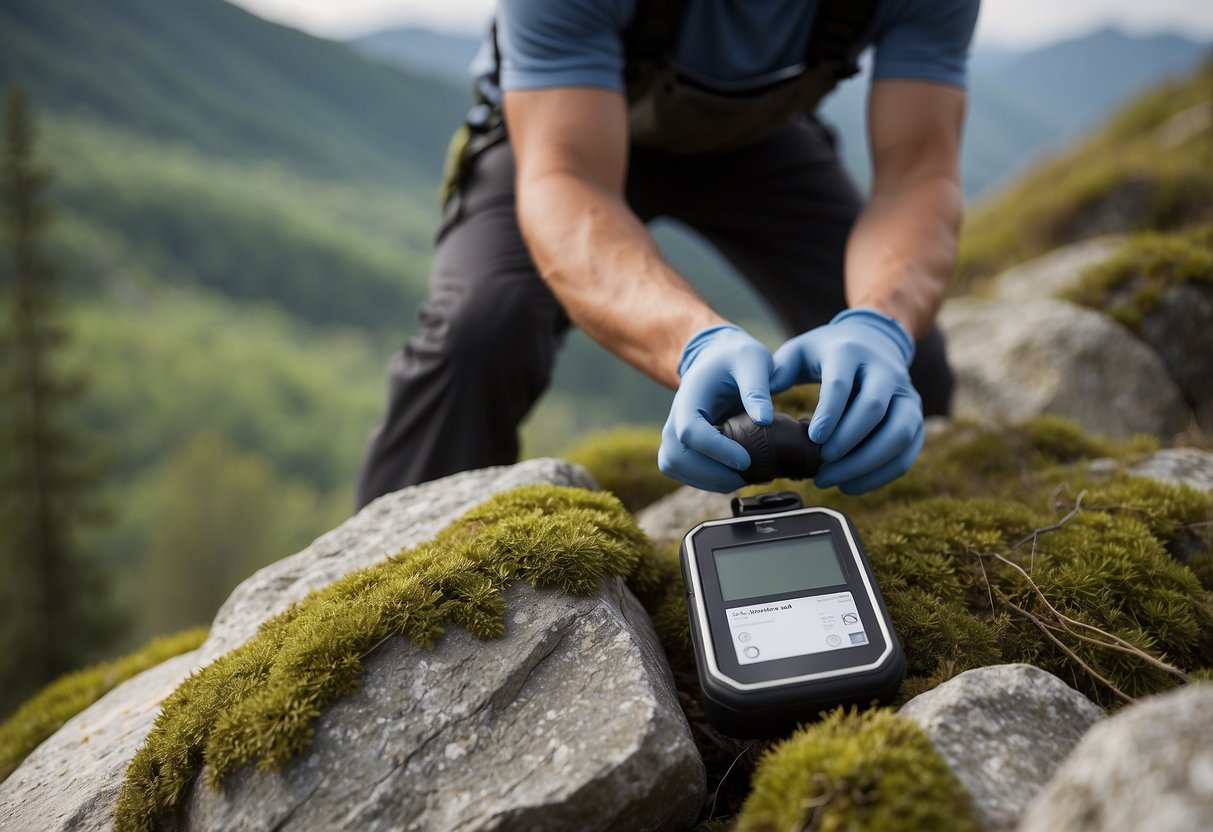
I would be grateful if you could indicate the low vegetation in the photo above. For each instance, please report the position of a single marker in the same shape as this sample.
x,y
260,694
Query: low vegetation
x,y
1130,284
624,462
855,771
45,712
1149,168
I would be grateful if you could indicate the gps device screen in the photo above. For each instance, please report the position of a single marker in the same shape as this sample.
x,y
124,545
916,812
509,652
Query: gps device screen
x,y
785,617
780,566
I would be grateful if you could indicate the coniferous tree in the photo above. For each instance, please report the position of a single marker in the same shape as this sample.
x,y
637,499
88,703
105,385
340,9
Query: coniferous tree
x,y
55,611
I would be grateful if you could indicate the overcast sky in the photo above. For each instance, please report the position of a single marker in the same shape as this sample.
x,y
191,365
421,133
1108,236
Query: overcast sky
x,y
1006,22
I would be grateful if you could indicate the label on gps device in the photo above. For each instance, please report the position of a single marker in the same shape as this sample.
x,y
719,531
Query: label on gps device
x,y
795,627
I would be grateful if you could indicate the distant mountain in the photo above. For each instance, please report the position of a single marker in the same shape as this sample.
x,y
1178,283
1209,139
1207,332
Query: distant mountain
x,y
1087,78
198,144
422,50
1022,102
224,81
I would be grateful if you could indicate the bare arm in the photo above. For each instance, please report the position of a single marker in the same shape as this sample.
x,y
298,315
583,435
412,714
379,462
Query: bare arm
x,y
902,251
570,146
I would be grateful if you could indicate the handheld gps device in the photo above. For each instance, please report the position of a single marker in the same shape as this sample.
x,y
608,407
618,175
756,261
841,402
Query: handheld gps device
x,y
786,617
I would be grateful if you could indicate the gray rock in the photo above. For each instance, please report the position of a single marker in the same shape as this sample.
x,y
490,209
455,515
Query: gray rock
x,y
1017,360
71,781
1179,466
1053,273
568,722
671,517
1179,327
389,524
67,783
1148,767
1003,730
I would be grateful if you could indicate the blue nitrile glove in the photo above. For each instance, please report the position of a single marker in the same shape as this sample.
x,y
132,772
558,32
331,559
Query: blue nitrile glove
x,y
723,369
875,438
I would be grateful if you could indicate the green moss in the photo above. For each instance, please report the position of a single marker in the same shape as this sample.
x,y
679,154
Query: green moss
x,y
856,771
976,493
943,638
1110,571
1167,187
1129,285
45,712
256,704
658,585
947,542
624,462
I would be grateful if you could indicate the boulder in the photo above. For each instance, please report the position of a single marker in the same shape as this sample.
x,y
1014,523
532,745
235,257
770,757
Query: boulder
x,y
71,781
1051,274
1148,767
1003,730
1017,360
671,517
568,722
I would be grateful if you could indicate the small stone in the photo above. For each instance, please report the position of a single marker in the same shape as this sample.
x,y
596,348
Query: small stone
x,y
675,514
1003,730
1192,467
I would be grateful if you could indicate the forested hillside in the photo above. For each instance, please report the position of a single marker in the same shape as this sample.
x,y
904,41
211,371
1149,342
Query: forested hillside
x,y
244,214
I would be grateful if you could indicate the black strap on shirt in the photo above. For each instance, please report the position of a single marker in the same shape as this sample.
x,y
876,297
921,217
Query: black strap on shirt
x,y
648,38
838,27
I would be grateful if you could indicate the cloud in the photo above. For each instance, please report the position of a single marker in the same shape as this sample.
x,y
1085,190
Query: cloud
x,y
1011,22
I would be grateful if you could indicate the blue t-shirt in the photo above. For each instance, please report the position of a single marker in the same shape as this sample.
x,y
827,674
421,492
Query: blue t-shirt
x,y
725,44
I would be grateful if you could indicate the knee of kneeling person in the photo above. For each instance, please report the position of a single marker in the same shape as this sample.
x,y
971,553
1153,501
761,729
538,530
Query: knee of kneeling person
x,y
492,331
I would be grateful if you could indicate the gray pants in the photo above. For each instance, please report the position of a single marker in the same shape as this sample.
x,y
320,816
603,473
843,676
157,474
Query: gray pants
x,y
779,211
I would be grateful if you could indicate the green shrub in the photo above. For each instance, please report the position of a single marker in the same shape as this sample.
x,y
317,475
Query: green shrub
x,y
624,462
852,771
257,703
45,712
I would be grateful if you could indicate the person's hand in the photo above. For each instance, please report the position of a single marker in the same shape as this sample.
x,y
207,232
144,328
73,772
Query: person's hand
x,y
869,416
723,369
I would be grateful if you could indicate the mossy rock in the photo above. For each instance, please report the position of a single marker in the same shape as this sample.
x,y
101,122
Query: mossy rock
x,y
256,704
624,462
1129,286
46,711
853,771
